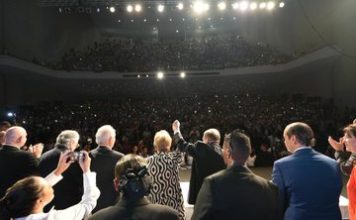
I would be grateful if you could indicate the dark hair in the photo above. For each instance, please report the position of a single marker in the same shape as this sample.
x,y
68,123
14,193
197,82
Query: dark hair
x,y
303,132
20,198
240,144
134,180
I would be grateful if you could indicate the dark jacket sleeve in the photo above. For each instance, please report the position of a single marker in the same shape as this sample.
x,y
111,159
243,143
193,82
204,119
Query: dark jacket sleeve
x,y
183,145
32,165
345,160
204,203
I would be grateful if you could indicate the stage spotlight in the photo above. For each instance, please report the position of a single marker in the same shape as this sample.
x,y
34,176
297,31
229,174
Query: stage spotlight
x,y
139,76
138,8
182,75
144,20
180,6
112,9
253,6
270,5
281,4
235,6
60,10
160,75
10,114
262,5
160,8
129,8
200,7
98,10
222,6
243,5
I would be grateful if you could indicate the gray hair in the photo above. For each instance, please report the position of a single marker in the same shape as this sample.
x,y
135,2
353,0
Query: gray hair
x,y
66,136
104,133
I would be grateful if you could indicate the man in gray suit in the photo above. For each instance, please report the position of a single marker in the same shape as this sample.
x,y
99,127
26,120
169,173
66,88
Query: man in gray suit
x,y
236,192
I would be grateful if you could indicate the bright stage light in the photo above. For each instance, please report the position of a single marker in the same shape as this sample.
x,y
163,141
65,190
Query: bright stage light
x,y
160,8
253,6
281,4
263,5
160,75
270,5
129,8
180,6
182,75
138,8
235,6
112,9
222,6
200,7
243,5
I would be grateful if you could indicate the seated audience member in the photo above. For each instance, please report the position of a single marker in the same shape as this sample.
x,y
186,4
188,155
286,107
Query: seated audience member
x,y
26,199
236,192
133,183
103,163
163,167
15,164
70,189
309,183
207,157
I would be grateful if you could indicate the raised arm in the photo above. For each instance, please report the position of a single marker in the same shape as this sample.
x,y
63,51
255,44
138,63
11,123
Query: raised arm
x,y
181,144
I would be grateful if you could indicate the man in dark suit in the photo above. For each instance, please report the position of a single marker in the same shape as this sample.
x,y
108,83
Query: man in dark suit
x,y
309,182
236,192
207,157
103,163
15,164
70,189
132,180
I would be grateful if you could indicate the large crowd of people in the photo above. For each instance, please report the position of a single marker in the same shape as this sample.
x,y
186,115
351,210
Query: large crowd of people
x,y
128,55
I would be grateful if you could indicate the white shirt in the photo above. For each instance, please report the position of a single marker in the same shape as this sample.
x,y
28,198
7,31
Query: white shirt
x,y
76,212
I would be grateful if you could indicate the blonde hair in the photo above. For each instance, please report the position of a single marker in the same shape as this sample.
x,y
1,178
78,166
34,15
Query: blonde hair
x,y
213,135
162,141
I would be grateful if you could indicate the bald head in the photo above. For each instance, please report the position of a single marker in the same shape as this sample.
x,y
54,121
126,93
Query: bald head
x,y
16,136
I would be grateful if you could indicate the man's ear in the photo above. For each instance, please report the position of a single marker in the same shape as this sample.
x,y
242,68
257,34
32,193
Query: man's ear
x,y
294,140
116,184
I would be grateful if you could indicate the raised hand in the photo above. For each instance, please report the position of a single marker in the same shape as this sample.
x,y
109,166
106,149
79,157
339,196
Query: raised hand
x,y
337,145
176,126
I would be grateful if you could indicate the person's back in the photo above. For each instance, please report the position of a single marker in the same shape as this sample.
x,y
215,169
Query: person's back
x,y
309,182
313,185
141,210
103,163
132,182
15,164
70,190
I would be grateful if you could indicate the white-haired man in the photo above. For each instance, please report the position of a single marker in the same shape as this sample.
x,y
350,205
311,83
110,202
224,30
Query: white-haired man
x,y
103,163
70,189
15,164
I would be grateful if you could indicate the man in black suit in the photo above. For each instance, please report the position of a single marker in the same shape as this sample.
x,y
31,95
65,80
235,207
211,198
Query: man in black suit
x,y
15,164
103,163
133,181
207,157
70,189
236,192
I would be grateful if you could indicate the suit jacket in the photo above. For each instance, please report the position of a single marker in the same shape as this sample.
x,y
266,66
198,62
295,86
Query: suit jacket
x,y
207,159
310,185
15,164
142,209
103,163
69,190
237,193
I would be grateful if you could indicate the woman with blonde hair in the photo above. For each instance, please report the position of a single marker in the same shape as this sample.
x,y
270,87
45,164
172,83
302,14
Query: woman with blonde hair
x,y
163,167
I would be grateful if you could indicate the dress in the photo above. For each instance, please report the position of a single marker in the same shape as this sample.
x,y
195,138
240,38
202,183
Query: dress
x,y
164,170
351,193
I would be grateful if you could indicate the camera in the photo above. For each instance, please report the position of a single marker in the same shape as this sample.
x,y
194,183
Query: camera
x,y
76,156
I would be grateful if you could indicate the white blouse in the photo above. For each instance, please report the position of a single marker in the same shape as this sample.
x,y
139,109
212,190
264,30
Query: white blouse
x,y
76,212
